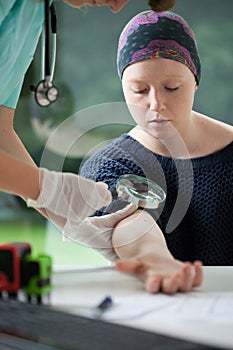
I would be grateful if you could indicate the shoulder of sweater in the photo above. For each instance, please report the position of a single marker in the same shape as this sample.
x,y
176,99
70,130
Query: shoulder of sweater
x,y
105,154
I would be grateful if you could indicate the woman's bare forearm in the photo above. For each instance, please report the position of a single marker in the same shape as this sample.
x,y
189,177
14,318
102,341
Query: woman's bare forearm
x,y
138,234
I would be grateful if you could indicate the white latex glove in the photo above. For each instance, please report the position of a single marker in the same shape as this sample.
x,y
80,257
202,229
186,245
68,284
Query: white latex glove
x,y
96,232
69,195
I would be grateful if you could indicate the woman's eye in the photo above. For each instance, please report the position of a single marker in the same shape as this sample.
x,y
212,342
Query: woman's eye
x,y
143,91
169,89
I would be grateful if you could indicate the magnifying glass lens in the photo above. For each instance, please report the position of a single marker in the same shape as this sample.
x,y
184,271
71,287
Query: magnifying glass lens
x,y
139,187
140,191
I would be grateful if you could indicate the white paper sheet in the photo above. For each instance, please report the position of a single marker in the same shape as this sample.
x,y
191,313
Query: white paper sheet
x,y
190,307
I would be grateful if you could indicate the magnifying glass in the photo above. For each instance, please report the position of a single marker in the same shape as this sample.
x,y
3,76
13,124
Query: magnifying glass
x,y
139,191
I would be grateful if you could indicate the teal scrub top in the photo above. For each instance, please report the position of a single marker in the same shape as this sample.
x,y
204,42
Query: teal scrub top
x,y
21,23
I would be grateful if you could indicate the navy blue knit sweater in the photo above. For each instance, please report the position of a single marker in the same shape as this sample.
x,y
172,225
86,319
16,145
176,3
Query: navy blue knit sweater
x,y
197,216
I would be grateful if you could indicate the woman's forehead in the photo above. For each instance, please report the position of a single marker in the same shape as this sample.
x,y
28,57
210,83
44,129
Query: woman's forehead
x,y
160,68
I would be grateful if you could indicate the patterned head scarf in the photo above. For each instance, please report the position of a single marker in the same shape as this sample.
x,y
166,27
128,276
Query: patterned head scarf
x,y
158,35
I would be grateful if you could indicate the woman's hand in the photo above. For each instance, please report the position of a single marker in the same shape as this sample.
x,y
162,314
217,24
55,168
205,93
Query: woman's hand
x,y
142,249
161,274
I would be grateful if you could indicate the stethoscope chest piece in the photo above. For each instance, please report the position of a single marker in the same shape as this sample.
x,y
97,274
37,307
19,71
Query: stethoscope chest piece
x,y
45,93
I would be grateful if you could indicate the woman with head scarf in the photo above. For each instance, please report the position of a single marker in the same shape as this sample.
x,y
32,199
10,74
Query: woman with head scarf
x,y
187,153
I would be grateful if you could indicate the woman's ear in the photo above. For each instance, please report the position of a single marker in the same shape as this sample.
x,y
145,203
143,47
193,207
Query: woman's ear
x,y
195,87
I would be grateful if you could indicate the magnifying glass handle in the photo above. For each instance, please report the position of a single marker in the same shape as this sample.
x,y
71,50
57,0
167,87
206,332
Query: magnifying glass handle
x,y
114,194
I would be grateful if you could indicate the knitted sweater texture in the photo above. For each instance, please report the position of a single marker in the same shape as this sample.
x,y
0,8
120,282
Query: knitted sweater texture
x,y
197,216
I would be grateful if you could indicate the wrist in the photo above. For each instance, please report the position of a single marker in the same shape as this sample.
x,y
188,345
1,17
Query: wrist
x,y
44,182
31,184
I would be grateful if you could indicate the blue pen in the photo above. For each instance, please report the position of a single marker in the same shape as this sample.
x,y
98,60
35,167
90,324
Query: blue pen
x,y
104,305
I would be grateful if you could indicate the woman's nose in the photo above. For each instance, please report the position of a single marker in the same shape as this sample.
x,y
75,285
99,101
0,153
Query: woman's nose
x,y
155,101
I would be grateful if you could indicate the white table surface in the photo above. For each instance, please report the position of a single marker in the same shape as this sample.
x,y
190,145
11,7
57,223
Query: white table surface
x,y
79,288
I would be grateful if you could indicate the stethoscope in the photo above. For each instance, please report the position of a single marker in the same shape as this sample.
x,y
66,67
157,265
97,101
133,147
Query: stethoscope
x,y
139,191
45,91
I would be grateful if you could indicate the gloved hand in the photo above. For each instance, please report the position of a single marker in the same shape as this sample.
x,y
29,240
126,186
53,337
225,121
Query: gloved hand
x,y
96,232
69,195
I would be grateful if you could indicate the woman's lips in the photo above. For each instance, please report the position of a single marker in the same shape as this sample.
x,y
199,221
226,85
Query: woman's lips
x,y
159,122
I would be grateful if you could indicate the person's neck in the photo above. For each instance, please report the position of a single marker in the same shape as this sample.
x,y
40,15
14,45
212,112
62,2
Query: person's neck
x,y
172,146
